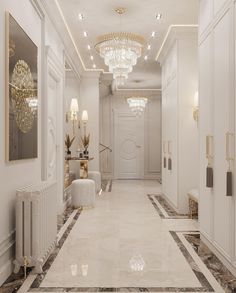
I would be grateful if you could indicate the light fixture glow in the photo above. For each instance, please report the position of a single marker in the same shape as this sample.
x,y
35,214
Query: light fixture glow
x,y
91,57
137,104
74,108
149,47
120,51
89,47
153,34
145,57
81,16
94,66
158,16
84,117
85,34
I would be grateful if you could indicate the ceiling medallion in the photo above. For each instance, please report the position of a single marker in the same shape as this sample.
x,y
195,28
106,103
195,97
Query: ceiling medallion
x,y
23,96
120,51
137,104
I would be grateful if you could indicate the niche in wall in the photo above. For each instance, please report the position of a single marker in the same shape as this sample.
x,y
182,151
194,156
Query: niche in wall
x,y
21,93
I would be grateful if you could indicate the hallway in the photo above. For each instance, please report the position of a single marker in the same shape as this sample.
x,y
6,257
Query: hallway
x,y
125,245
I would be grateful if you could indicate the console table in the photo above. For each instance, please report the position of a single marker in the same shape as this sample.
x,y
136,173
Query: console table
x,y
83,174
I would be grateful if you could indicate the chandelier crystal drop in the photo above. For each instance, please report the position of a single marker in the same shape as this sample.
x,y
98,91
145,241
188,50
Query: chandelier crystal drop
x,y
120,52
137,105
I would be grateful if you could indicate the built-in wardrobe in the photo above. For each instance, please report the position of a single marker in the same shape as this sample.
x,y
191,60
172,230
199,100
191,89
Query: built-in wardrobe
x,y
217,127
179,62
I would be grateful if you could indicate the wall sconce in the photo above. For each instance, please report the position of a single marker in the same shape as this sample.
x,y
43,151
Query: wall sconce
x,y
196,107
84,118
72,115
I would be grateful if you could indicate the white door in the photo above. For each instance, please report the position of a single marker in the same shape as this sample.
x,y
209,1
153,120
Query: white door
x,y
129,146
53,145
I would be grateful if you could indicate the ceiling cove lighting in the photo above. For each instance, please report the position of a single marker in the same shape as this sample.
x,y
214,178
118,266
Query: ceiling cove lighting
x,y
120,51
137,104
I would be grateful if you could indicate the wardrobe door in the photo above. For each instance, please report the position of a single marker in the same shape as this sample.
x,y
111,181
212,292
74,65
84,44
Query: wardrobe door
x,y
205,129
164,144
222,95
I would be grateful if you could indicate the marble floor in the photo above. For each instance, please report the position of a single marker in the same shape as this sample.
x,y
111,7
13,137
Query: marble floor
x,y
125,245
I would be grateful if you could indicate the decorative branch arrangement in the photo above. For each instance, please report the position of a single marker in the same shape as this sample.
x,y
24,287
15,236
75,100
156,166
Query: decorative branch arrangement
x,y
85,141
68,143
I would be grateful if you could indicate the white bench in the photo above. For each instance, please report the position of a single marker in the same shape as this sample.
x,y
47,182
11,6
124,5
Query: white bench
x,y
193,196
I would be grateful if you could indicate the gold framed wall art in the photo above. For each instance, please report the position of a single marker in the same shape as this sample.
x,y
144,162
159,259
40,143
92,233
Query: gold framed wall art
x,y
21,93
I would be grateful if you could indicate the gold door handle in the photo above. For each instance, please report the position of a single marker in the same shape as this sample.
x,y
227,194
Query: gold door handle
x,y
169,147
209,139
229,155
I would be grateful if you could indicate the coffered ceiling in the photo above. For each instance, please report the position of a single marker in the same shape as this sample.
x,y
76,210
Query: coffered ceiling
x,y
99,17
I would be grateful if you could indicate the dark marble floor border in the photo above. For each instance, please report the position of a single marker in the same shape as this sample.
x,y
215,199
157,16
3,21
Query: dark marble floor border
x,y
205,285
172,214
215,266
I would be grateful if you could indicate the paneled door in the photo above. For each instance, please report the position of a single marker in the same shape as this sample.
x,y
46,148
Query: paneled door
x,y
53,146
129,146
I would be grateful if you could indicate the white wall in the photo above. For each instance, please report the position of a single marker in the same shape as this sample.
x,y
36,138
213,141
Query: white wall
x,y
21,173
152,134
89,94
72,90
17,174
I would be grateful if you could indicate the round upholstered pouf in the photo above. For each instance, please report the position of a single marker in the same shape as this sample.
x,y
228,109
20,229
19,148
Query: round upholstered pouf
x,y
96,177
83,193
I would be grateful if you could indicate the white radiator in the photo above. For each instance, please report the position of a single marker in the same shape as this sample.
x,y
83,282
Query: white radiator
x,y
36,224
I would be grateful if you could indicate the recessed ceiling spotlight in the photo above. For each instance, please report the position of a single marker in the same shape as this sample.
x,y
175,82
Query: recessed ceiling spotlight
x,y
91,57
89,47
149,47
81,16
158,16
85,34
153,34
145,57
94,66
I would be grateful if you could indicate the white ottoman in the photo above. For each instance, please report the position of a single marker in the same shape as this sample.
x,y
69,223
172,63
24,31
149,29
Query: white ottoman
x,y
83,193
96,177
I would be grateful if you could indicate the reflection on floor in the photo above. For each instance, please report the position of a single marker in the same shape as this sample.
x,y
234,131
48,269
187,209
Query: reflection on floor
x,y
128,243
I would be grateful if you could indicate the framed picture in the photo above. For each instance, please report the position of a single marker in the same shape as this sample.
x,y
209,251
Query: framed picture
x,y
21,93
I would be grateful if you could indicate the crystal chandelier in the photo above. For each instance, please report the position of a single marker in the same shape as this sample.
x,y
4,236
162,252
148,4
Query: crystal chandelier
x,y
120,51
137,105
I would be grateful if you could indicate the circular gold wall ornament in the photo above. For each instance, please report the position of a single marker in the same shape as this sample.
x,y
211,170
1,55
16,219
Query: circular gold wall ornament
x,y
22,88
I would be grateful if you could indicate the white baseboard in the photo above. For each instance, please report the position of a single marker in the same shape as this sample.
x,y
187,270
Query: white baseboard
x,y
221,257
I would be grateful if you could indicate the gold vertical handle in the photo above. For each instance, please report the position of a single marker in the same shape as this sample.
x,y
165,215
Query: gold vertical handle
x,y
164,147
209,154
169,147
228,155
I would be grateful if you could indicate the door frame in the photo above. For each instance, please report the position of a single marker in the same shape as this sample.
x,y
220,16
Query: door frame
x,y
116,114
